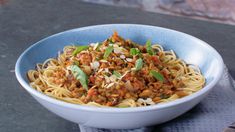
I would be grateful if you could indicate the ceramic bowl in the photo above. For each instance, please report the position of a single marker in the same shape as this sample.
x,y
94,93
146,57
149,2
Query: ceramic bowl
x,y
190,49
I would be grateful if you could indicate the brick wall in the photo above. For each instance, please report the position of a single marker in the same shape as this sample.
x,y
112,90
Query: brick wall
x,y
222,11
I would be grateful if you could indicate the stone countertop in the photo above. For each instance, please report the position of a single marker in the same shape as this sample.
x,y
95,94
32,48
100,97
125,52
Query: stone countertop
x,y
24,22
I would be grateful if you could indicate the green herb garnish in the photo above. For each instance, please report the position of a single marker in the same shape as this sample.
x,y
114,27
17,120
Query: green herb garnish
x,y
79,49
157,75
134,51
80,75
117,74
107,52
149,48
138,64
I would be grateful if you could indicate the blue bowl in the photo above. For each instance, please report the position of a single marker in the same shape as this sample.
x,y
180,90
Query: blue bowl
x,y
188,48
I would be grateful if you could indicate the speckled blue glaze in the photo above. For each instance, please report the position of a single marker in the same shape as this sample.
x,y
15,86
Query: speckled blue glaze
x,y
188,48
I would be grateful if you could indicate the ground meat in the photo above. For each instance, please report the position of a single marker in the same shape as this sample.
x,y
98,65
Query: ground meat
x,y
84,58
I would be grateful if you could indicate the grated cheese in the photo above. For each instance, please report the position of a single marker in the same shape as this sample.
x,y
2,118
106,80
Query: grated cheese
x,y
122,56
129,59
148,101
95,65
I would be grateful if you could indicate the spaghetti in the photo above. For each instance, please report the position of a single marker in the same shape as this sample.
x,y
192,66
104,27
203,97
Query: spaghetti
x,y
116,73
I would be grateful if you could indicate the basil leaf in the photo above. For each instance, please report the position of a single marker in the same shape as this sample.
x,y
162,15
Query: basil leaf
x,y
79,75
79,49
117,74
149,48
138,64
134,51
157,75
107,52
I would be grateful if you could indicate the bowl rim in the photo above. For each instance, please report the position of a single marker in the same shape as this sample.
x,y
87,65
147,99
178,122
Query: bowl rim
x,y
40,95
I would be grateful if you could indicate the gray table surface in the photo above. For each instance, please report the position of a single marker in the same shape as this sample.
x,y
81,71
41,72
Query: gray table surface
x,y
23,22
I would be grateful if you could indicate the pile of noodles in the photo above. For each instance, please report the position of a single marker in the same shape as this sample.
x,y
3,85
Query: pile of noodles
x,y
131,89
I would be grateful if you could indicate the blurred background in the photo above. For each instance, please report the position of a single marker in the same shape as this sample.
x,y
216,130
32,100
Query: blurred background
x,y
222,11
